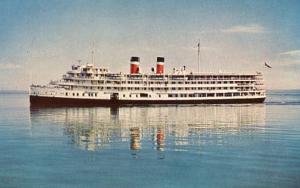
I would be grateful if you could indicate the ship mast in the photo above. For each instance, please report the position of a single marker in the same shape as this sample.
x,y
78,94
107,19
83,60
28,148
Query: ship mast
x,y
93,58
198,59
93,53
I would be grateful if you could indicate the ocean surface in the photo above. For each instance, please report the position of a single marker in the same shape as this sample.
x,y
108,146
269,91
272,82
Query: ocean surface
x,y
255,145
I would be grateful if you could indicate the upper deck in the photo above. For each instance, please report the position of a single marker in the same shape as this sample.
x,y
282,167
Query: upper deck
x,y
90,72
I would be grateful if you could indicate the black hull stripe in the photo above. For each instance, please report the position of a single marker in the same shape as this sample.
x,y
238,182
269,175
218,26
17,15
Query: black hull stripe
x,y
39,101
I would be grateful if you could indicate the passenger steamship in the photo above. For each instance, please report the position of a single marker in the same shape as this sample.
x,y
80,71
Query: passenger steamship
x,y
88,85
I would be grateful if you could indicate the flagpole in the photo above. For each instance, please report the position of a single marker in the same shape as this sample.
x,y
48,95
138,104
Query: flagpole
x,y
198,59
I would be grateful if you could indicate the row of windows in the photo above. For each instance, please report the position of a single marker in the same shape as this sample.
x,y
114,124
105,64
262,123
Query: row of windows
x,y
196,95
83,94
145,95
137,77
166,82
212,94
142,95
164,88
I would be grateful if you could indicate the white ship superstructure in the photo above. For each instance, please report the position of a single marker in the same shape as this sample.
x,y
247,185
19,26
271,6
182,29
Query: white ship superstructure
x,y
88,85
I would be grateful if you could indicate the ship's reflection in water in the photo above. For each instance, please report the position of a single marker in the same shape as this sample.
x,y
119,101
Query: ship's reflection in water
x,y
135,140
152,128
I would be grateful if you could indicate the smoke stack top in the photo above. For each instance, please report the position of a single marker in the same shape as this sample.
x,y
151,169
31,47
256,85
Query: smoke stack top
x,y
135,59
160,59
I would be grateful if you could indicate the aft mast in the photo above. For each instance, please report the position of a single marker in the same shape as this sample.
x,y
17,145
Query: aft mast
x,y
198,58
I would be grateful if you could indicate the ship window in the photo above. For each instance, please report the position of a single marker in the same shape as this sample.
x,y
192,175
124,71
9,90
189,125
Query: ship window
x,y
123,95
144,95
129,95
66,94
95,94
77,94
73,94
159,96
210,95
219,94
137,96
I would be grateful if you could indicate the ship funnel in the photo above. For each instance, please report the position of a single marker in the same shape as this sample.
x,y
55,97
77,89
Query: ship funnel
x,y
134,65
160,65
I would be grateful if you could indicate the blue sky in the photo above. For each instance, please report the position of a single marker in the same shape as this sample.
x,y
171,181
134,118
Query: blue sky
x,y
41,39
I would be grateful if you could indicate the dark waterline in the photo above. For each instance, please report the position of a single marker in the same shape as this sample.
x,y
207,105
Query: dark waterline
x,y
249,145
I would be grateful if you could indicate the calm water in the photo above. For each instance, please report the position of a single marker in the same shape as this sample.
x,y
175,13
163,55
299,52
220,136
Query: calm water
x,y
168,146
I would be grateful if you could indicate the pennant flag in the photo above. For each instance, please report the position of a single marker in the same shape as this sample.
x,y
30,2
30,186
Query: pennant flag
x,y
267,65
